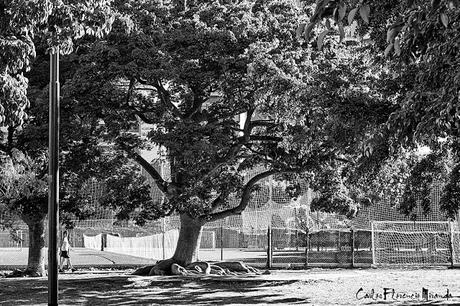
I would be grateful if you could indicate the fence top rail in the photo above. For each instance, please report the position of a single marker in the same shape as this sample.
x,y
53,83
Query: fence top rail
x,y
344,230
411,222
413,232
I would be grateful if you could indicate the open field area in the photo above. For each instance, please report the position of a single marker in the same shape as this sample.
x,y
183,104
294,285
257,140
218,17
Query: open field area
x,y
82,257
11,258
281,287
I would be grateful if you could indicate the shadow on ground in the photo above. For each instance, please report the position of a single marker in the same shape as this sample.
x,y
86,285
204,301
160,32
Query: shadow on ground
x,y
129,290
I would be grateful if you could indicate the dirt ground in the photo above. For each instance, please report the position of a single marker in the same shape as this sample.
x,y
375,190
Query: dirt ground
x,y
281,287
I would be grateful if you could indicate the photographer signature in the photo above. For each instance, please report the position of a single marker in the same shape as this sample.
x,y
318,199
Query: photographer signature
x,y
392,294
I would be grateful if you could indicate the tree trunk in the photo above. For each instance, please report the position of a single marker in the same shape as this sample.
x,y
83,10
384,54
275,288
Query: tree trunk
x,y
189,240
36,260
184,260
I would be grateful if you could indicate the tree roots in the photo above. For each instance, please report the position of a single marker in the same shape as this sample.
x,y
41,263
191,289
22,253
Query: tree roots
x,y
26,272
171,267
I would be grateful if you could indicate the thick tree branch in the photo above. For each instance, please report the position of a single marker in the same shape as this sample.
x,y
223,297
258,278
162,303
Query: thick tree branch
x,y
10,137
165,98
159,181
132,82
263,154
265,138
245,198
197,102
267,123
217,202
4,148
144,118
247,124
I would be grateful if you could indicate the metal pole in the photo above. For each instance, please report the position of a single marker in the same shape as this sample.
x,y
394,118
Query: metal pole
x,y
269,248
373,243
53,191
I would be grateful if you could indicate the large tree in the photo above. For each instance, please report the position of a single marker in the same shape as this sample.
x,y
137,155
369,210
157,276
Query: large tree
x,y
191,70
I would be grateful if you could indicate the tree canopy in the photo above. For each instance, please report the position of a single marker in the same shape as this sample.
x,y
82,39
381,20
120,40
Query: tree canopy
x,y
192,72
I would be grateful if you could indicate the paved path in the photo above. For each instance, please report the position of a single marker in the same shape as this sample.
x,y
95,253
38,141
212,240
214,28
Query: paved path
x,y
80,257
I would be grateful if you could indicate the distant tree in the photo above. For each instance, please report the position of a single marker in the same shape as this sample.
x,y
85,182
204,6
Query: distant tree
x,y
419,44
23,192
23,26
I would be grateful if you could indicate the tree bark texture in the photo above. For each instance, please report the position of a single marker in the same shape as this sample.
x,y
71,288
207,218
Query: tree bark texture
x,y
36,259
189,240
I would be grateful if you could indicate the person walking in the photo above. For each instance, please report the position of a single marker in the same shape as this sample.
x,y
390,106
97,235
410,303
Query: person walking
x,y
65,253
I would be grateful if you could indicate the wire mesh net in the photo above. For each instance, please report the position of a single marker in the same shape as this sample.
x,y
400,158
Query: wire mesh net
x,y
274,229
339,247
412,243
386,211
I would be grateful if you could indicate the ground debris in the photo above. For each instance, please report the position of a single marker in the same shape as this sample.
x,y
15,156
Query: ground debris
x,y
170,267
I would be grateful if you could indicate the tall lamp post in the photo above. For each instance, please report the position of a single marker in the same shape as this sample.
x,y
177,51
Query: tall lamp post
x,y
53,181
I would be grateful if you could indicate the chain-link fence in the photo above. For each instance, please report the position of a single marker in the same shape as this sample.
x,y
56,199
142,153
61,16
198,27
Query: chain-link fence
x,y
275,230
339,247
13,239
273,246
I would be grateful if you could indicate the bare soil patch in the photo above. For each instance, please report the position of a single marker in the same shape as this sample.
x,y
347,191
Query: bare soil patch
x,y
307,287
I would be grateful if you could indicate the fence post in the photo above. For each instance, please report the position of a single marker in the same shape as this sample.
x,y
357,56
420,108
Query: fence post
x,y
22,238
352,248
339,244
451,244
373,243
307,244
222,240
296,231
318,240
163,230
269,248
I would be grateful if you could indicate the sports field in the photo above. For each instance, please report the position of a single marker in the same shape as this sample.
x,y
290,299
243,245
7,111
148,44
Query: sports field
x,y
82,257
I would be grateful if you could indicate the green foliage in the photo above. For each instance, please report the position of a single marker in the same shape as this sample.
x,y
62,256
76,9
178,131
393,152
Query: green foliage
x,y
190,72
426,44
451,194
57,23
419,44
27,28
23,187
333,195
419,185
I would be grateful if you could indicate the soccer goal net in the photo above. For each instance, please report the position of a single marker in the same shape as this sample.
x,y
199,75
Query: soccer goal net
x,y
412,243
